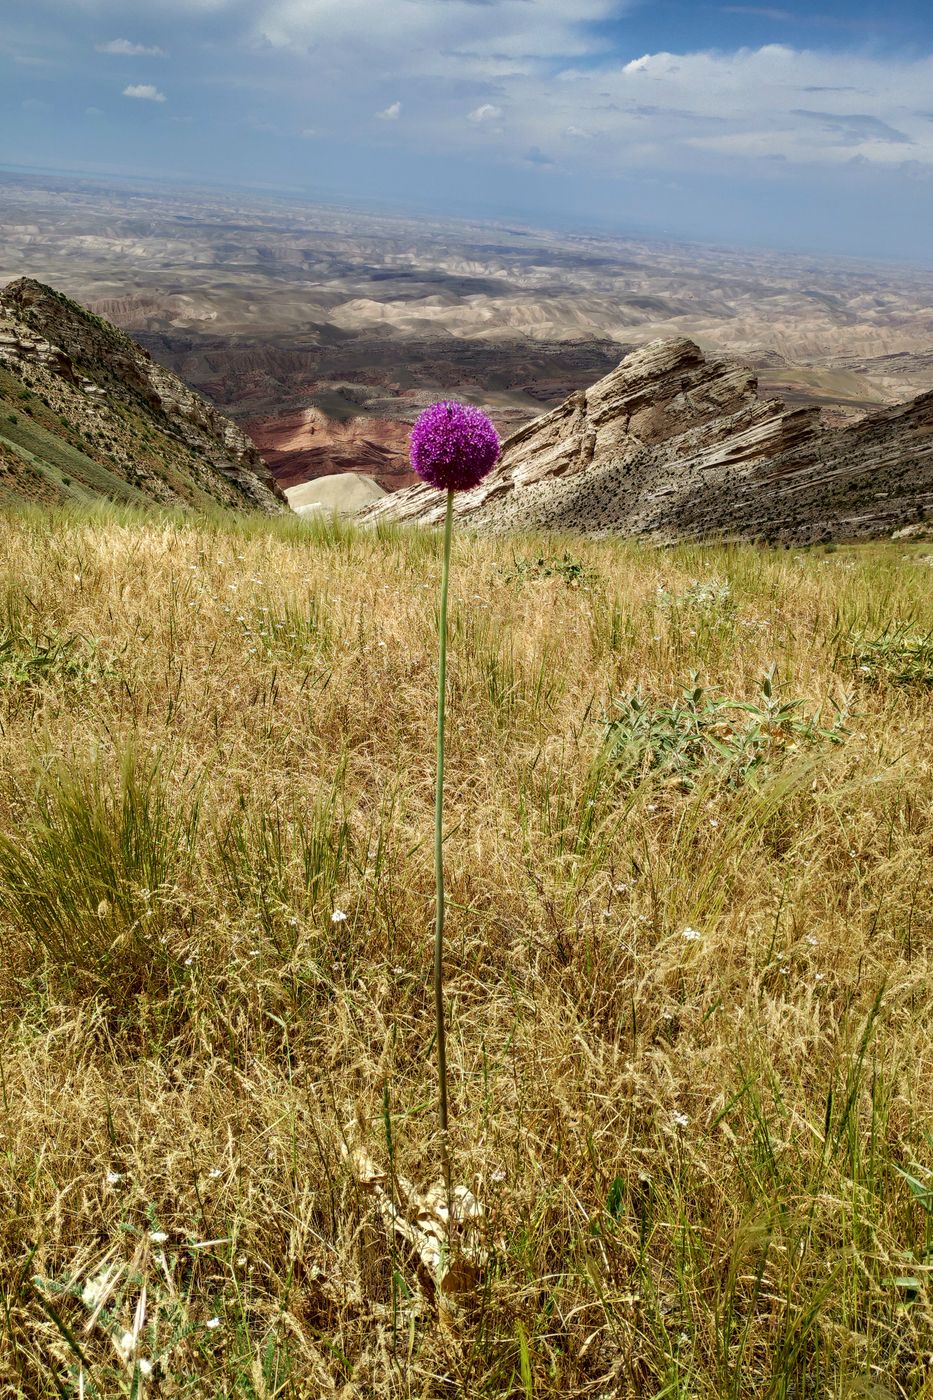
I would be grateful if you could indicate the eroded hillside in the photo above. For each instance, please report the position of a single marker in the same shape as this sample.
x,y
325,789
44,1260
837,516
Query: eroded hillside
x,y
85,412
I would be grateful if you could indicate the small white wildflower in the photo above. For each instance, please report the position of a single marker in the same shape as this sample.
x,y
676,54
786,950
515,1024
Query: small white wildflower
x,y
692,935
651,807
158,1236
813,942
338,917
94,1289
214,1173
113,1178
126,1345
819,976
713,821
213,1323
681,1120
145,1367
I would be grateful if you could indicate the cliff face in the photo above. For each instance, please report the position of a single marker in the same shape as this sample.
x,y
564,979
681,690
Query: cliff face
x,y
674,445
84,411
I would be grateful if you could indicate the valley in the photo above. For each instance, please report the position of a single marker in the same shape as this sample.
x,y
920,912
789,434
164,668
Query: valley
x,y
323,331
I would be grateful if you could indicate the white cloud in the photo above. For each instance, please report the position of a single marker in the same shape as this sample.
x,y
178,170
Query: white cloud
x,y
568,90
705,110
128,48
308,133
146,92
486,113
501,28
570,93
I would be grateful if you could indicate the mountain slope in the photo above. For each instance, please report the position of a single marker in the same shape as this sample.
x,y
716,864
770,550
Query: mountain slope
x,y
85,412
676,446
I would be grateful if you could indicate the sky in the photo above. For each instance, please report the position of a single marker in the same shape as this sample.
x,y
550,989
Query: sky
x,y
806,124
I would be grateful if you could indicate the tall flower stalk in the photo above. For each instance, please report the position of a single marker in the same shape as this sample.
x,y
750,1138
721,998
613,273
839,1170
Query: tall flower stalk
x,y
440,901
453,446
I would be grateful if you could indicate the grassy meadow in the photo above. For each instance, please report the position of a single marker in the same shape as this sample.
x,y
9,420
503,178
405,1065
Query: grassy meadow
x,y
690,941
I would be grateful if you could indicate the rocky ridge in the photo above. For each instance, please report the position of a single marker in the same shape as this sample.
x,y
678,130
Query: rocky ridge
x,y
674,445
85,411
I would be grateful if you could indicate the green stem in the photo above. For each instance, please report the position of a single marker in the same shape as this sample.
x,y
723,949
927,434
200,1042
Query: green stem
x,y
439,851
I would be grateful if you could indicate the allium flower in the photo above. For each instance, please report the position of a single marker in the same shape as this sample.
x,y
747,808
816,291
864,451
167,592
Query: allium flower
x,y
453,446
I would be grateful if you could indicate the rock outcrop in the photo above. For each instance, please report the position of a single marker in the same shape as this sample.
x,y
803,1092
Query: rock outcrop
x,y
674,445
87,383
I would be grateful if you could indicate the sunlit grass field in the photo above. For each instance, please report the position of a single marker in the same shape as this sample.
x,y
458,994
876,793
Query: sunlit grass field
x,y
690,938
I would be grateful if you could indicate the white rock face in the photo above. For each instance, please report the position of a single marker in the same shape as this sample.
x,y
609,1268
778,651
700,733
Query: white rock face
x,y
342,494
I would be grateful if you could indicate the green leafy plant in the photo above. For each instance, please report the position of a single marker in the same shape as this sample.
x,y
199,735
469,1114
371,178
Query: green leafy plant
x,y
702,731
705,595
574,572
32,661
897,656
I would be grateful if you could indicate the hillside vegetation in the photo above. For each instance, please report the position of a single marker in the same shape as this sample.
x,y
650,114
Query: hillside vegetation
x,y
690,940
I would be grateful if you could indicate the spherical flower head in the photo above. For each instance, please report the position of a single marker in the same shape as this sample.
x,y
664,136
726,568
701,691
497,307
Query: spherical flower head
x,y
453,446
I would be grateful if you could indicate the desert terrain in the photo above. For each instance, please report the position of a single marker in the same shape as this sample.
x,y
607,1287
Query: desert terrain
x,y
323,331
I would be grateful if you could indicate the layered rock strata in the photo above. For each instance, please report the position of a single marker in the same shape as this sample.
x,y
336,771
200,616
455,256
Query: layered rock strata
x,y
674,445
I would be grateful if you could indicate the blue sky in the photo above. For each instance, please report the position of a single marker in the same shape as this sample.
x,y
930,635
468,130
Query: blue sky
x,y
777,124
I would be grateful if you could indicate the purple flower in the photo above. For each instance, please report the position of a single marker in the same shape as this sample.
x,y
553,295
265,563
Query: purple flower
x,y
453,446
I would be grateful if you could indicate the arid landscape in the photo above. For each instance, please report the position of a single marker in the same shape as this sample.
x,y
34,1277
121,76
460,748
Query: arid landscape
x,y
686,808
324,331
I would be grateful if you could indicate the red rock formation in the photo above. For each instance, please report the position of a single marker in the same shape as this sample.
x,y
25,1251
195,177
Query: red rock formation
x,y
306,444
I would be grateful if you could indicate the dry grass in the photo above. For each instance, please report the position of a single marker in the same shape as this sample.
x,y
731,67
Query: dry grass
x,y
690,1149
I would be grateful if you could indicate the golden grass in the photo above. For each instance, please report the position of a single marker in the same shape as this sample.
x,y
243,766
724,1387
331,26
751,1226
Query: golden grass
x,y
689,1150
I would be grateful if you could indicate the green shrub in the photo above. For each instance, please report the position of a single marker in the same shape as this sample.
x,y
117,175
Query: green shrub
x,y
30,662
574,572
898,656
702,732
